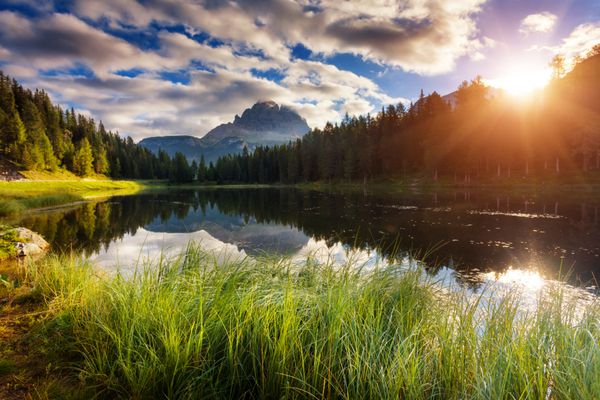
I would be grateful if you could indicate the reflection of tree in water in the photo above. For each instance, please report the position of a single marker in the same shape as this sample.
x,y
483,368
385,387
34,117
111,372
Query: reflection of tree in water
x,y
390,225
94,225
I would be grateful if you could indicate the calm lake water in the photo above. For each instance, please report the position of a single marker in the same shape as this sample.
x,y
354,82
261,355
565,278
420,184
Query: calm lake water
x,y
474,233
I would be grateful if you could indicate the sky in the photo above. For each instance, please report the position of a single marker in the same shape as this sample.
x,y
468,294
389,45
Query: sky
x,y
165,67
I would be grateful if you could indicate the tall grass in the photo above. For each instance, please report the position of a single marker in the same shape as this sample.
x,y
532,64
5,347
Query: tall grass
x,y
189,328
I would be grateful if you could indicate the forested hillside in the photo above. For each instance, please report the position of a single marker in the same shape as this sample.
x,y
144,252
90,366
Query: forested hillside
x,y
478,136
38,135
481,136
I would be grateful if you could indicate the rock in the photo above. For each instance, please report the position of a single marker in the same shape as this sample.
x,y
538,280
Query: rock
x,y
32,244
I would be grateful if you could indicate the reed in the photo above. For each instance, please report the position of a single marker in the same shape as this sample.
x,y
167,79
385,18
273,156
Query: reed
x,y
191,328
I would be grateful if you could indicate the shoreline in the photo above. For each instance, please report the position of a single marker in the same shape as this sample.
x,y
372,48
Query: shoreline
x,y
43,194
25,195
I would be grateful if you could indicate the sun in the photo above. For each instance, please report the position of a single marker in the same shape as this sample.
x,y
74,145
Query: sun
x,y
521,80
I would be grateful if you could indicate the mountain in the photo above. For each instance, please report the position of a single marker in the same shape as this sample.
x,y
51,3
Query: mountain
x,y
265,123
190,146
193,148
247,234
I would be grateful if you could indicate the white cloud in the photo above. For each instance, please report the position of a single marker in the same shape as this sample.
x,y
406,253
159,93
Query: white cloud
x,y
426,37
423,36
61,40
580,41
542,22
148,105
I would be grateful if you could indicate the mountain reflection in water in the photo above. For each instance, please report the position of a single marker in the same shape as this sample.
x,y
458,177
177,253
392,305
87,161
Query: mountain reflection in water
x,y
472,232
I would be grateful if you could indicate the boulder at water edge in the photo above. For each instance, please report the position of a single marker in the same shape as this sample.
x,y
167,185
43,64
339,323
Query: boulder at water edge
x,y
30,244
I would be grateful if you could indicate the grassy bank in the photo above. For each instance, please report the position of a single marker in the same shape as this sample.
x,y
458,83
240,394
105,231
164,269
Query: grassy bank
x,y
16,197
191,329
577,183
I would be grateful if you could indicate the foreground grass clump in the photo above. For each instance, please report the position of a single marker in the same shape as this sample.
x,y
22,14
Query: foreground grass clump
x,y
189,328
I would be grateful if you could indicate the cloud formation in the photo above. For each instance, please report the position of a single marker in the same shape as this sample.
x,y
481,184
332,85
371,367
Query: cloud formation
x,y
542,22
208,60
420,36
61,40
580,41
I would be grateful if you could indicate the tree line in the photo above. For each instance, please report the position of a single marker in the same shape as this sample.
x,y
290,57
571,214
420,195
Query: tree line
x,y
481,134
37,135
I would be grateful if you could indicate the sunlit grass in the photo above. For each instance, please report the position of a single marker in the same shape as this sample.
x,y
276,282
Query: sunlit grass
x,y
60,174
16,197
189,328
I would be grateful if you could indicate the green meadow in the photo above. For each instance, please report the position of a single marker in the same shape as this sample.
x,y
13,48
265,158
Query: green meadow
x,y
16,197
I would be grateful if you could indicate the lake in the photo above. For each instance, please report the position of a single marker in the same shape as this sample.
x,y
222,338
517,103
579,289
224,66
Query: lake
x,y
471,232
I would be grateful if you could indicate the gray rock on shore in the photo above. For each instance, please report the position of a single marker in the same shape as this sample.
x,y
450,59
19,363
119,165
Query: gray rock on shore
x,y
33,244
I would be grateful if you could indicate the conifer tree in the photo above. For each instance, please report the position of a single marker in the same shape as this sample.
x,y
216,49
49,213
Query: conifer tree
x,y
202,171
194,169
101,165
83,162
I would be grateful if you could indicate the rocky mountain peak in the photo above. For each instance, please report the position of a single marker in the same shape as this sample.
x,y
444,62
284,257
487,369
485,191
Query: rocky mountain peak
x,y
266,122
265,104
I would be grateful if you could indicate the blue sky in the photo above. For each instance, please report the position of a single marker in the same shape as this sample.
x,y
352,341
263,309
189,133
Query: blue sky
x,y
164,67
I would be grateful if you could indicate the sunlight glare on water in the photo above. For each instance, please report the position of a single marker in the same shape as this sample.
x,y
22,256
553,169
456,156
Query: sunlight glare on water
x,y
529,280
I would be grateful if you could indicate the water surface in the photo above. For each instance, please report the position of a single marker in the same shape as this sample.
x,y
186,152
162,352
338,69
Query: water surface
x,y
472,232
